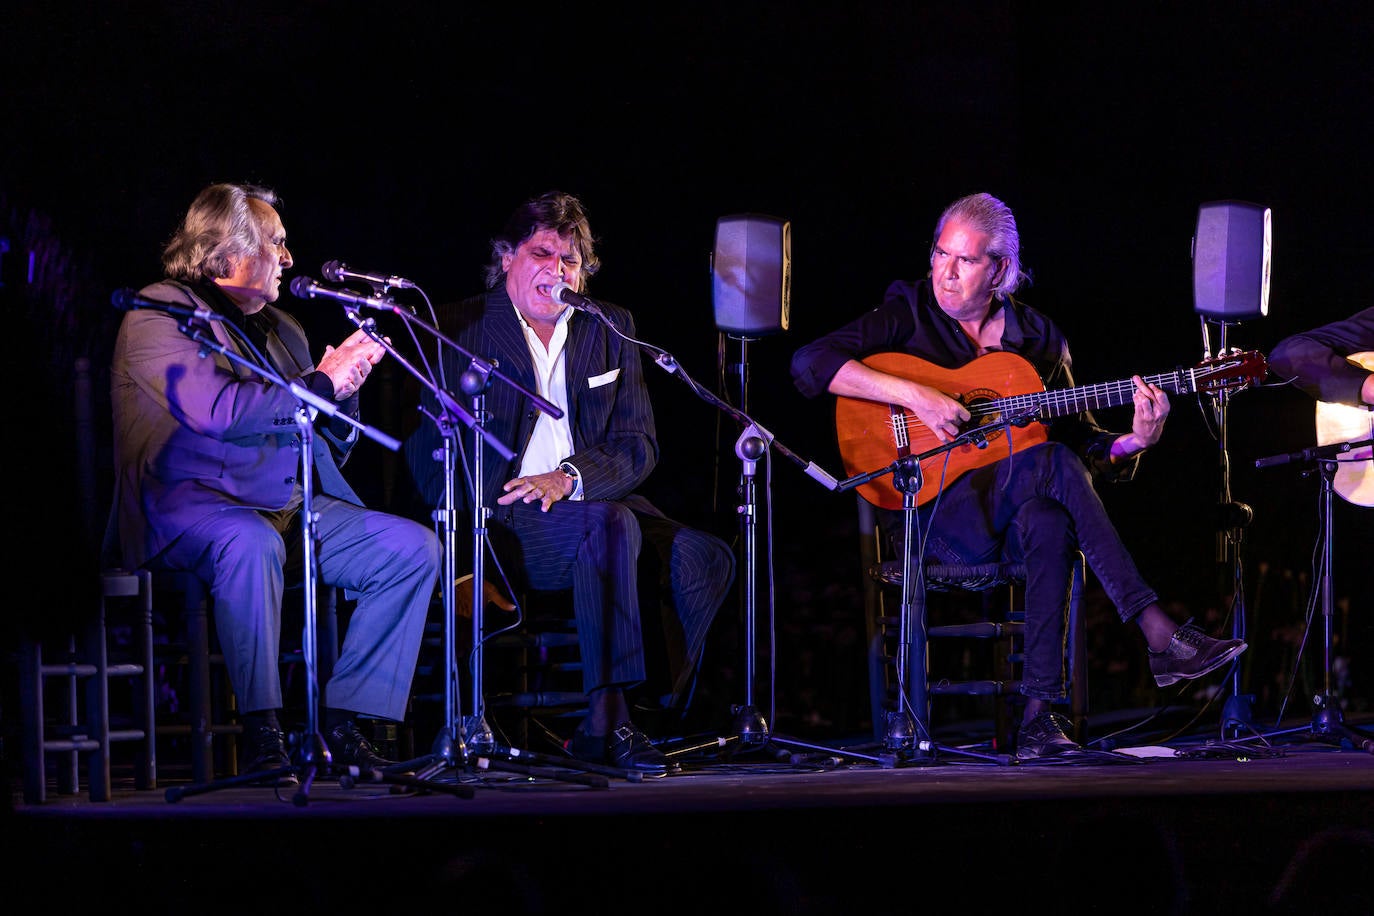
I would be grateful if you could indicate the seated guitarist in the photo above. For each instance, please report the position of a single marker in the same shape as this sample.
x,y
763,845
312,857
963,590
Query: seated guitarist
x,y
1334,363
1319,361
1037,506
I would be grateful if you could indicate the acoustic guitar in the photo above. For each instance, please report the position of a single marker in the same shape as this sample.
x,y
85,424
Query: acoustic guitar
x,y
1010,408
1337,423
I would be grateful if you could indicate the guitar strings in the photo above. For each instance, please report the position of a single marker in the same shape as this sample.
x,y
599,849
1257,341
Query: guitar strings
x,y
1073,400
1237,370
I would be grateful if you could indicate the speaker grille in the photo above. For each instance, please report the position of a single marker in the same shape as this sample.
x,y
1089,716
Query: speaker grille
x,y
1231,256
751,274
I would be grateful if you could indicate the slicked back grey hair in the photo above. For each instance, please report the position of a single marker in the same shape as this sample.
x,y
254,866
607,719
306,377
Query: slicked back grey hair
x,y
986,214
218,227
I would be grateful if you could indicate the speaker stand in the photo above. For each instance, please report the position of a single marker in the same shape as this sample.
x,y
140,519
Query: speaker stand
x,y
1237,717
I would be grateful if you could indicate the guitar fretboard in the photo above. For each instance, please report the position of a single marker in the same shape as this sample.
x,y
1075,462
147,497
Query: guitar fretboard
x,y
1040,405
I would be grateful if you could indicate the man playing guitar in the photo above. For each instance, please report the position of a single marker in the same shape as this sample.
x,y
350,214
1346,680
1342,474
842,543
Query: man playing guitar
x,y
1334,363
1034,504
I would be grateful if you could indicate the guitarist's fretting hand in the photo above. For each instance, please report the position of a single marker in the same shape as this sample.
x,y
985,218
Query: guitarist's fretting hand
x,y
1147,425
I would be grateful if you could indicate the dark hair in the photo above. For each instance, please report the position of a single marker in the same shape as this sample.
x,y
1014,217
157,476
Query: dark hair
x,y
218,227
554,210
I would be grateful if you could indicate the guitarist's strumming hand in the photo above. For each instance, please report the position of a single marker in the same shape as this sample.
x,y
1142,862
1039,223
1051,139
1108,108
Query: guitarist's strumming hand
x,y
941,414
1147,425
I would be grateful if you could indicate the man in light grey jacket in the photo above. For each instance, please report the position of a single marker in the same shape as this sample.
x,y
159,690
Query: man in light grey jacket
x,y
208,476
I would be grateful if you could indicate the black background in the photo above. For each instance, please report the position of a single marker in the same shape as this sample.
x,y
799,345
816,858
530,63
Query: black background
x,y
400,135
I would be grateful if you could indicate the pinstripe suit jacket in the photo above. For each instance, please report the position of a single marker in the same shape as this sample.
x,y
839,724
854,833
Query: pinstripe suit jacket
x,y
609,410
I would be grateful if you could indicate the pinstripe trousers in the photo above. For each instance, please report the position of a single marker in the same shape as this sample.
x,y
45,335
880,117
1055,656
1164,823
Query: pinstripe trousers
x,y
593,547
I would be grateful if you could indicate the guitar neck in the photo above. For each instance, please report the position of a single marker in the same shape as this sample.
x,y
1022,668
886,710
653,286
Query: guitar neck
x,y
1041,405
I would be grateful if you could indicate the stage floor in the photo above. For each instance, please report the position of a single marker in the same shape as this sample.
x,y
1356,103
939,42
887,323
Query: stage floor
x,y
1195,826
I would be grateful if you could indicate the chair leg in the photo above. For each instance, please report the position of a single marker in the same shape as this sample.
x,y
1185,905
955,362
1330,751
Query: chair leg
x,y
1010,705
191,660
98,708
137,670
916,677
145,690
69,764
196,618
327,628
32,714
1078,655
877,682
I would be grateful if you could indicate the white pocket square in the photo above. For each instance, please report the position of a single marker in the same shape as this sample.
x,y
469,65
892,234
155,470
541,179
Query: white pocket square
x,y
596,381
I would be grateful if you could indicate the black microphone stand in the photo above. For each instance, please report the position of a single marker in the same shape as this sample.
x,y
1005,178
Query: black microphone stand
x,y
908,738
466,744
310,752
751,729
1328,722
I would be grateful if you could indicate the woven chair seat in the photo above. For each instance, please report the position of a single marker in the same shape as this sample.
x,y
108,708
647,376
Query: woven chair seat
x,y
944,577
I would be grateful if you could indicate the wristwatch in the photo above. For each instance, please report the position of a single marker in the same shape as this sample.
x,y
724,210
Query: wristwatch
x,y
571,471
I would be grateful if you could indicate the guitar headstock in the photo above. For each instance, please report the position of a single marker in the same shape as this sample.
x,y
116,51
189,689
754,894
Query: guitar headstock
x,y
1235,370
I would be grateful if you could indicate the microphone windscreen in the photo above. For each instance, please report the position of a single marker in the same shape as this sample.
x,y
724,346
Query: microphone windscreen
x,y
300,287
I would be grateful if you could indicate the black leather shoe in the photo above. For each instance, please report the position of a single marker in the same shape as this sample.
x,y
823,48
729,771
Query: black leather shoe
x,y
349,748
1044,736
630,749
626,747
1192,653
265,751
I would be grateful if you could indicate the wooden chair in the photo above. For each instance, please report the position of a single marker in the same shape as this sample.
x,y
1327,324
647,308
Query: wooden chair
x,y
531,674
100,684
993,613
206,722
103,693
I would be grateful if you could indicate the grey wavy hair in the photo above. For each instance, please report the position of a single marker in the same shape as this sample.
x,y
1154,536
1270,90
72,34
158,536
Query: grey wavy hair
x,y
554,210
218,227
991,216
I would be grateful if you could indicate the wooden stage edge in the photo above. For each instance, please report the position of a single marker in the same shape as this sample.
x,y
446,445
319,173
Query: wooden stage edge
x,y
1197,827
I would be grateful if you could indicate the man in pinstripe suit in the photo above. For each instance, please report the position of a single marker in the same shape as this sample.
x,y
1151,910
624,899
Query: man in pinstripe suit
x,y
565,504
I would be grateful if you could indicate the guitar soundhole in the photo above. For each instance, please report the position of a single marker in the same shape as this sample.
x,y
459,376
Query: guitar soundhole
x,y
983,416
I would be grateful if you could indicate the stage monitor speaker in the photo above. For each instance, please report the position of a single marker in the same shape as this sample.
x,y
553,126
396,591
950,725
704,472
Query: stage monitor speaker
x,y
751,274
1231,253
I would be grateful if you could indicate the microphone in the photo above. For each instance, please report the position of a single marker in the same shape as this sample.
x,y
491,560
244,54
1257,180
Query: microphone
x,y
306,288
127,300
337,271
1308,454
563,292
1276,460
819,474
